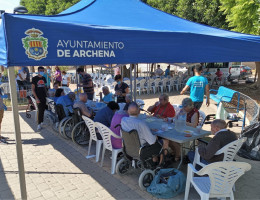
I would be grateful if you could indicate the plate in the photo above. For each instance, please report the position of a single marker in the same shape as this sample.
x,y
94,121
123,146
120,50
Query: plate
x,y
188,131
188,135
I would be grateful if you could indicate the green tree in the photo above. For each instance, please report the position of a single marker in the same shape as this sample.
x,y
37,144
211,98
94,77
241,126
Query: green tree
x,y
168,6
37,7
186,10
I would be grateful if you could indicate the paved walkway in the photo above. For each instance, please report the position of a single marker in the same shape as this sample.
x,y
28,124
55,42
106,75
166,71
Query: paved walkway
x,y
57,169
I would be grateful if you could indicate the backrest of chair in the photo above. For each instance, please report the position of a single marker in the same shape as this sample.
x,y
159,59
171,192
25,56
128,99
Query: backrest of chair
x,y
223,175
106,134
60,112
231,149
91,127
76,117
202,118
34,102
131,143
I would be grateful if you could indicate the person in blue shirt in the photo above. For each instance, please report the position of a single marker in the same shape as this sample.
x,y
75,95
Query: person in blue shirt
x,y
198,86
108,96
67,102
167,71
48,78
105,115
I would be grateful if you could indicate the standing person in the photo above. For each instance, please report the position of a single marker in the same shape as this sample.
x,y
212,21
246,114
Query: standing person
x,y
65,79
47,76
2,139
86,83
167,71
158,71
21,78
198,87
40,93
121,89
57,75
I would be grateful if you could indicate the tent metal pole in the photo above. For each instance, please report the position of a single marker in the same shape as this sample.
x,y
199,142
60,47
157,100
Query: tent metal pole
x,y
131,87
77,81
19,150
135,82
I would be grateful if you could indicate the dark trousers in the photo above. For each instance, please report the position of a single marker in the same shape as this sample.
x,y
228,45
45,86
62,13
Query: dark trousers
x,y
20,84
41,109
90,96
197,105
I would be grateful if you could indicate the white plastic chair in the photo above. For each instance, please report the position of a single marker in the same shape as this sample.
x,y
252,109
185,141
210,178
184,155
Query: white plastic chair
x,y
202,119
163,84
221,178
106,134
91,127
170,84
66,90
156,85
140,86
229,151
36,108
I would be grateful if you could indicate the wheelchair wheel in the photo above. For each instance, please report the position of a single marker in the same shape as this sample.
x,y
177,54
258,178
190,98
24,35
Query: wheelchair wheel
x,y
80,134
122,166
67,128
145,179
61,125
28,115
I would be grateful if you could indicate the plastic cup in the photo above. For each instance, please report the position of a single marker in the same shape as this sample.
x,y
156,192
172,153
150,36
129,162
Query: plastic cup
x,y
165,127
170,119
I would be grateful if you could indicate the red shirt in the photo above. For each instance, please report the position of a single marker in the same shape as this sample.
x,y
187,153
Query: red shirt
x,y
164,112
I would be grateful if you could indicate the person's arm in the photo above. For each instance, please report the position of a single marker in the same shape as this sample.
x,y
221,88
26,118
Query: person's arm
x,y
148,136
20,77
184,89
34,94
194,121
207,152
207,94
68,81
152,108
85,111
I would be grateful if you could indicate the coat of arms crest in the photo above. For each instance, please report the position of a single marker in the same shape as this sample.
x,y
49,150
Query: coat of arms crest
x,y
35,45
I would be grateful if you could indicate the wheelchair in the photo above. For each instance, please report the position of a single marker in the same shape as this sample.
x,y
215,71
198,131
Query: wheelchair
x,y
131,151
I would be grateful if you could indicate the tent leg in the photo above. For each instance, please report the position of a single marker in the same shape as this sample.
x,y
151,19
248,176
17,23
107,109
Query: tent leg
x,y
131,86
134,82
19,150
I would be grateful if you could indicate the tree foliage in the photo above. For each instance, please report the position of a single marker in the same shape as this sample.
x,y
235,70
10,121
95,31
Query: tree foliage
x,y
242,15
47,7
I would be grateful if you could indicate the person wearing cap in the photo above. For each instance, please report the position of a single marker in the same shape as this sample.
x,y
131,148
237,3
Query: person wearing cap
x,y
198,86
67,102
192,112
162,108
40,93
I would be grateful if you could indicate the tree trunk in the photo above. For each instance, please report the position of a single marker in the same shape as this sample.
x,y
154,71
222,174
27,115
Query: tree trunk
x,y
256,85
32,69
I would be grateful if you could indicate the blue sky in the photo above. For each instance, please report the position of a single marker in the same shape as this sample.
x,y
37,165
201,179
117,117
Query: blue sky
x,y
8,5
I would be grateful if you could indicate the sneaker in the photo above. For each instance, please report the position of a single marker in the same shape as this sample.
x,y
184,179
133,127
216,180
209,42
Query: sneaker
x,y
2,141
43,124
5,138
39,127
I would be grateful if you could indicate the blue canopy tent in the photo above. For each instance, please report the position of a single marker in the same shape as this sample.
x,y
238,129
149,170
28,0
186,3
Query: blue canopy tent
x,y
113,31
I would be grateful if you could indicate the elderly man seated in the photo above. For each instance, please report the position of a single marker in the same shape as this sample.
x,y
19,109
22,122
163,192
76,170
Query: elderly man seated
x,y
149,142
67,102
108,96
81,104
222,137
162,108
128,100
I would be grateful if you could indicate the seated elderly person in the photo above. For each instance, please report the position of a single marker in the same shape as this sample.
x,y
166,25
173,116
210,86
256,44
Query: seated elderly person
x,y
222,137
193,114
108,96
51,92
115,127
59,92
105,115
128,99
81,104
162,108
67,102
149,142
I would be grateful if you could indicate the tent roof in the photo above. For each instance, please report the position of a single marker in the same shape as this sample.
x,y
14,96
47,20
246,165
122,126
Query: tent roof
x,y
146,35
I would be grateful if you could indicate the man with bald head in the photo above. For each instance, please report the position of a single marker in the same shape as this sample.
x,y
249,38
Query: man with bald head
x,y
222,137
81,104
108,96
151,147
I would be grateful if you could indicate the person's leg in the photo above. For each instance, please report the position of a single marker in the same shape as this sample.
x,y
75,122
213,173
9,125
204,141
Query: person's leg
x,y
197,105
41,109
176,148
191,156
1,117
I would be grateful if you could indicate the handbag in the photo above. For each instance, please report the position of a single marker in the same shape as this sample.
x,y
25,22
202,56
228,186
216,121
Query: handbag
x,y
168,183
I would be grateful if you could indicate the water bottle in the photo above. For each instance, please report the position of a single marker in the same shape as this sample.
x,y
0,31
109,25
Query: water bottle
x,y
180,123
116,98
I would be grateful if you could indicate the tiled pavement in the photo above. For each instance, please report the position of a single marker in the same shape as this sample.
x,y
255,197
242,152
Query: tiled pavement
x,y
57,169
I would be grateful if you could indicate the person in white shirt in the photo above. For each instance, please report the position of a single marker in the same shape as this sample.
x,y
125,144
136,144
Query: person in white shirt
x,y
159,71
65,79
21,78
151,147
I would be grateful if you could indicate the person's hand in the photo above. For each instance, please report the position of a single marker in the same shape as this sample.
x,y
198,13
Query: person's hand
x,y
207,102
68,84
38,100
117,93
182,92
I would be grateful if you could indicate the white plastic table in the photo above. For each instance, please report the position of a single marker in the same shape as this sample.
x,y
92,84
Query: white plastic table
x,y
172,134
